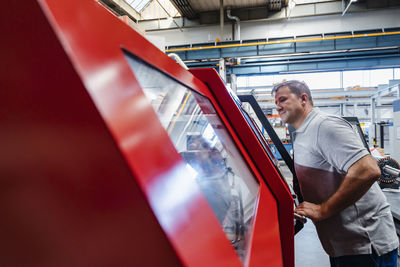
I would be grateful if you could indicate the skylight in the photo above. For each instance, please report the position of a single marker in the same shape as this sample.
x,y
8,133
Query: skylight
x,y
138,5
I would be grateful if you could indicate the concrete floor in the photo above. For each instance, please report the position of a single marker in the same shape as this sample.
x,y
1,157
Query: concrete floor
x,y
308,249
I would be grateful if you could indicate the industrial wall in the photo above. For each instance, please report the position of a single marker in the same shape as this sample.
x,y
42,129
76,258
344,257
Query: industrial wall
x,y
271,28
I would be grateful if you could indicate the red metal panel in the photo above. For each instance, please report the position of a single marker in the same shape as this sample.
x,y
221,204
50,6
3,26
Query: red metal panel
x,y
67,195
148,153
88,170
93,40
260,159
266,244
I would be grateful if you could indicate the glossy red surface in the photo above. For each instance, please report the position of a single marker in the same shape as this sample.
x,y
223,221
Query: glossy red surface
x,y
67,195
87,170
244,135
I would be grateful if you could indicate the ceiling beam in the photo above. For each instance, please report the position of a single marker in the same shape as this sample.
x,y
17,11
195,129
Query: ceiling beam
x,y
169,16
185,8
123,8
347,6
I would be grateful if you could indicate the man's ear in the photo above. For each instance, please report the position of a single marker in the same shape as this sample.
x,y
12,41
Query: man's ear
x,y
304,98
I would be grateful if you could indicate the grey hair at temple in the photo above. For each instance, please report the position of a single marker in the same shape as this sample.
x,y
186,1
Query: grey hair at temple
x,y
296,87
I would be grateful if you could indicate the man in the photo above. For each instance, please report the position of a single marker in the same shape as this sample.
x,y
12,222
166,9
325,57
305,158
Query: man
x,y
337,179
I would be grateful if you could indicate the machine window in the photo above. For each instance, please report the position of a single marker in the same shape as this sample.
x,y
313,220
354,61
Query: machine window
x,y
210,153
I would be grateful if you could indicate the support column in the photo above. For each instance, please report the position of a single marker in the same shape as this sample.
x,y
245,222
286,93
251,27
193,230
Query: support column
x,y
342,109
372,134
398,91
234,83
341,79
222,69
221,19
355,109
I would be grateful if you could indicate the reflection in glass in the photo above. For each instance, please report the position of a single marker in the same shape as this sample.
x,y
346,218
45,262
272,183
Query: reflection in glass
x,y
208,150
265,140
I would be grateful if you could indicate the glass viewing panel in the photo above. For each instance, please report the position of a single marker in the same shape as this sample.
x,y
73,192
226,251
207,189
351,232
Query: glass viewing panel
x,y
210,154
255,126
262,135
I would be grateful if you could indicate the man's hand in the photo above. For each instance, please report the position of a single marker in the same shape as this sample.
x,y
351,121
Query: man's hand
x,y
359,178
313,211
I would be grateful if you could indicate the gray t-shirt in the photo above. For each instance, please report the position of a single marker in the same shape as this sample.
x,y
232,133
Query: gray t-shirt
x,y
325,146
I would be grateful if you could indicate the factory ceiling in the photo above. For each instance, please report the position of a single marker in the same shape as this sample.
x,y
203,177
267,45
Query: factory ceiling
x,y
214,5
193,9
207,11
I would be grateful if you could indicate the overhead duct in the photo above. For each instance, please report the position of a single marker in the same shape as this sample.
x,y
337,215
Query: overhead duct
x,y
276,5
237,26
185,8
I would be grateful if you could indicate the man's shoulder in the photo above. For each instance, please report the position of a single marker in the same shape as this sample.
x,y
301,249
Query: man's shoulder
x,y
327,128
328,121
334,129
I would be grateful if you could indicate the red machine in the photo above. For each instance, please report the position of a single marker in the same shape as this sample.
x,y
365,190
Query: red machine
x,y
112,154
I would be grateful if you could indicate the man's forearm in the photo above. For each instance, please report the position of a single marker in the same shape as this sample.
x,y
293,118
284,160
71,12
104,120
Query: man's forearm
x,y
351,190
360,176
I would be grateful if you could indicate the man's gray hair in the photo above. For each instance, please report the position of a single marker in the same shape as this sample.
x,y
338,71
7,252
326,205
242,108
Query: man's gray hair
x,y
296,87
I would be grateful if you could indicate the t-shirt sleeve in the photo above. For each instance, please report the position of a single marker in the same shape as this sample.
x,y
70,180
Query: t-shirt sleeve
x,y
339,144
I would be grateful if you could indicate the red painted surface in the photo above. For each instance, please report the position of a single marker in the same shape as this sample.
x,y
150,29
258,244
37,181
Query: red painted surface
x,y
67,195
86,168
261,160
266,244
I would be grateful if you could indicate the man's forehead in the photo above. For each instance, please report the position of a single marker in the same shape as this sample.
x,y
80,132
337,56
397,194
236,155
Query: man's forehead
x,y
283,90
